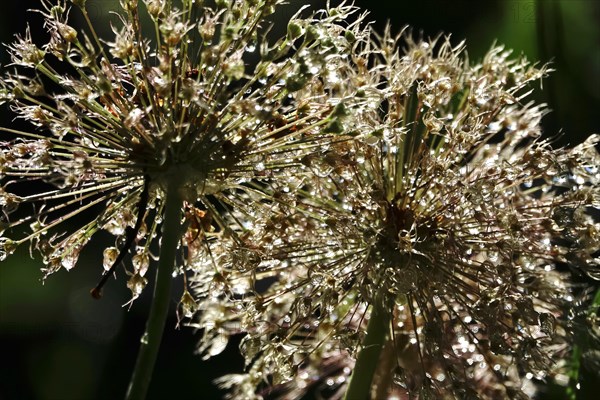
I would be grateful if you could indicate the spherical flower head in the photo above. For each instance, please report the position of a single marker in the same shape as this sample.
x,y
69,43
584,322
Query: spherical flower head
x,y
203,101
450,216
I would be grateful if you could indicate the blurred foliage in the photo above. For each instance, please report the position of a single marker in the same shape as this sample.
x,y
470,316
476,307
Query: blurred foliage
x,y
58,343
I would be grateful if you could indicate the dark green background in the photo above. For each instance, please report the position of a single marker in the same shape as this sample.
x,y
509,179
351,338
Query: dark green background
x,y
58,343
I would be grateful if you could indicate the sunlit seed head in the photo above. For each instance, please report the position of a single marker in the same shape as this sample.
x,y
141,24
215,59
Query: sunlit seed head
x,y
127,116
442,211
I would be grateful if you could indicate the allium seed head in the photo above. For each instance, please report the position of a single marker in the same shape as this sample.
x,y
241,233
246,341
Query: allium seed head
x,y
114,124
448,214
333,185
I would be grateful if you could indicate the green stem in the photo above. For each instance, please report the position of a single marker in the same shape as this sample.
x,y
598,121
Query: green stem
x,y
361,380
579,388
159,310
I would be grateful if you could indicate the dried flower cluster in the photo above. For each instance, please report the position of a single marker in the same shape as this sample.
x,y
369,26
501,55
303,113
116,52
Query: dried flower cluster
x,y
333,184
120,122
447,214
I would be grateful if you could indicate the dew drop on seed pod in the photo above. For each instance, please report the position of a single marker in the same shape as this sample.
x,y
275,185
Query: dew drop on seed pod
x,y
110,255
136,284
70,258
114,227
7,247
140,262
188,311
259,167
188,305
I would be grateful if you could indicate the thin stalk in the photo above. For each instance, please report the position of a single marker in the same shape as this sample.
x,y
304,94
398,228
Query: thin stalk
x,y
361,380
581,387
150,342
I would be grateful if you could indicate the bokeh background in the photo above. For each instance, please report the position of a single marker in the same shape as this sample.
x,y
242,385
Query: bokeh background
x,y
56,342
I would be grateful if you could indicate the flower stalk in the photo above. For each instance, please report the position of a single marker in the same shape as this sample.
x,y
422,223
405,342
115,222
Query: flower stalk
x,y
150,342
368,358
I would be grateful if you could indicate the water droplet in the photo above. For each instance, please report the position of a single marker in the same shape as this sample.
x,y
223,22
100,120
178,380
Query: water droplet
x,y
144,338
110,255
260,167
188,305
136,284
140,262
559,179
7,247
69,259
